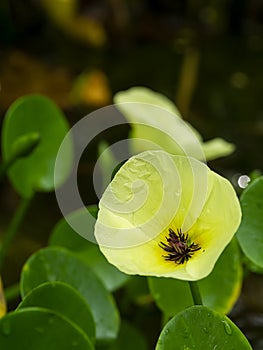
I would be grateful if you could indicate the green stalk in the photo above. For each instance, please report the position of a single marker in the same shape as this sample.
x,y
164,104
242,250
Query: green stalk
x,y
195,292
5,166
13,228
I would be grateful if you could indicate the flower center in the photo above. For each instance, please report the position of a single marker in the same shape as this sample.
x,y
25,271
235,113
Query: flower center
x,y
178,247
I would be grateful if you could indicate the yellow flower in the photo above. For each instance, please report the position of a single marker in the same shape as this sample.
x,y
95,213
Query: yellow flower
x,y
166,215
157,124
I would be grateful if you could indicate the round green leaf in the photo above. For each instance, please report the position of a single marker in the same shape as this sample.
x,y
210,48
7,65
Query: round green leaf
x,y
63,235
250,232
35,114
41,329
219,290
57,264
65,300
201,328
251,266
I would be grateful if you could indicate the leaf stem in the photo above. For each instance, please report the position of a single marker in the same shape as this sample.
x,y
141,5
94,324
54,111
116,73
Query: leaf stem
x,y
195,292
5,166
13,227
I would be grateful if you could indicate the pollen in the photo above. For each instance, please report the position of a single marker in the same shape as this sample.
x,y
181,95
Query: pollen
x,y
178,246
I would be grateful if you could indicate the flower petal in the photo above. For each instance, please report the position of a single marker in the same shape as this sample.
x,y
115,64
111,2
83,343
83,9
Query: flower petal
x,y
218,223
217,148
157,123
147,193
155,191
142,95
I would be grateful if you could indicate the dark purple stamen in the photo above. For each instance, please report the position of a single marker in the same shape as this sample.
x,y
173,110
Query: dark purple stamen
x,y
178,247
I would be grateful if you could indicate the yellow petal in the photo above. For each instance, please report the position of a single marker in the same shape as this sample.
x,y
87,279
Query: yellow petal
x,y
2,301
218,222
142,95
157,124
216,148
155,191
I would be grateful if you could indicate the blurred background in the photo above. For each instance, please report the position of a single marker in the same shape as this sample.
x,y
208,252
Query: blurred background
x,y
206,56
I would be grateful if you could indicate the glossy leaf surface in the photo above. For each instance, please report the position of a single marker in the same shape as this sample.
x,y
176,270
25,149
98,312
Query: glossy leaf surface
x,y
35,114
63,235
201,328
41,329
250,231
65,300
57,264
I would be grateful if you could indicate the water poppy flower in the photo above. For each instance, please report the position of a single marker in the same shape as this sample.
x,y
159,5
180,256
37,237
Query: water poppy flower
x,y
166,215
155,118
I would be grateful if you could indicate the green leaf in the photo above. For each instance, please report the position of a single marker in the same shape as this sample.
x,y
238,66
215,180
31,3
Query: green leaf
x,y
250,232
24,145
57,264
63,235
251,266
171,295
107,163
129,338
136,291
219,290
65,300
41,329
35,115
201,328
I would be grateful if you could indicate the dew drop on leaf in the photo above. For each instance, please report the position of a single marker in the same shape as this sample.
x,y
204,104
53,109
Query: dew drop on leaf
x,y
227,327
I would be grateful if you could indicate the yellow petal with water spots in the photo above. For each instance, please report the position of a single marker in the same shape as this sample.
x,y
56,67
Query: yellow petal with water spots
x,y
154,192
